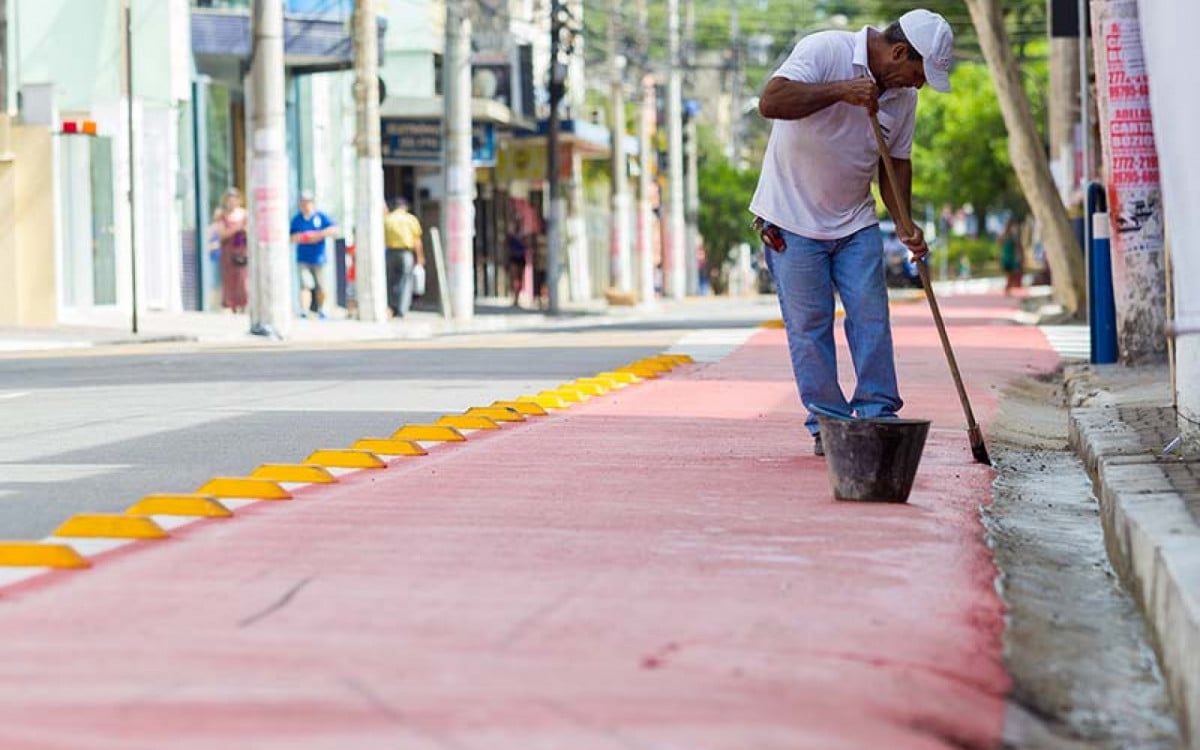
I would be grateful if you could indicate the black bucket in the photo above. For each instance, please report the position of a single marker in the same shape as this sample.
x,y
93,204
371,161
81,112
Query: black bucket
x,y
873,459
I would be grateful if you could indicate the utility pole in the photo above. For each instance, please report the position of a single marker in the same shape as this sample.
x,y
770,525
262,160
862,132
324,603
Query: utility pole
x,y
270,266
691,198
369,253
676,284
560,46
647,121
1063,110
691,189
458,218
735,95
127,29
1085,107
622,269
4,69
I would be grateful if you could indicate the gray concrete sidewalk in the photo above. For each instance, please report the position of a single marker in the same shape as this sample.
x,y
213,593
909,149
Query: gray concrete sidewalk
x,y
113,328
1121,420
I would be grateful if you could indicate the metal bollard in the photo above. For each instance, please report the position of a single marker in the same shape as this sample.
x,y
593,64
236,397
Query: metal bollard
x,y
1102,310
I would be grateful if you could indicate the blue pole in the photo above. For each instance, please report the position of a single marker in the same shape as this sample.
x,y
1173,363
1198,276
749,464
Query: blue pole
x,y
1102,313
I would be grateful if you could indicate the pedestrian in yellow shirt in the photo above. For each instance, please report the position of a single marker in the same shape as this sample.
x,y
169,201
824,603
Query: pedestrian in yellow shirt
x,y
405,251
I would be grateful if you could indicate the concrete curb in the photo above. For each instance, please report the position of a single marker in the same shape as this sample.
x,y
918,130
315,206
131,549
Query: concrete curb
x,y
1153,539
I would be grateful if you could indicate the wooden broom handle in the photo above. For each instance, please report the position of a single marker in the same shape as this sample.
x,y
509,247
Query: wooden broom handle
x,y
904,221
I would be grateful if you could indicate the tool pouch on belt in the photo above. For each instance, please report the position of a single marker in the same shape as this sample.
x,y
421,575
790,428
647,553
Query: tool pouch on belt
x,y
772,236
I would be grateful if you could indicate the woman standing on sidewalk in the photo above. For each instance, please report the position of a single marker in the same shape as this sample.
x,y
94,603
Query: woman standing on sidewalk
x,y
1010,256
231,230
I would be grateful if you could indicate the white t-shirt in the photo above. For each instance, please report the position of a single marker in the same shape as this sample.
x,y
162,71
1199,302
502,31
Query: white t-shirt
x,y
817,172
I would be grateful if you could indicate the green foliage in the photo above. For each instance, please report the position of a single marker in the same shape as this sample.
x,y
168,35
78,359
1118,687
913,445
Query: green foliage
x,y
960,148
725,194
981,252
1024,21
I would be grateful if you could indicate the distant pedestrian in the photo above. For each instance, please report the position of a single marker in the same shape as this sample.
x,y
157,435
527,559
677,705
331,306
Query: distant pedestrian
x,y
230,228
405,251
1010,256
541,260
518,255
310,229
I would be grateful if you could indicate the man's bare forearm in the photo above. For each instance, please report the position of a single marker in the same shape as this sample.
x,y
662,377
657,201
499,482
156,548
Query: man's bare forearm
x,y
794,100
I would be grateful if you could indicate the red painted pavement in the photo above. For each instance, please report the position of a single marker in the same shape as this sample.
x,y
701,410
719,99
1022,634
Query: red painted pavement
x,y
660,568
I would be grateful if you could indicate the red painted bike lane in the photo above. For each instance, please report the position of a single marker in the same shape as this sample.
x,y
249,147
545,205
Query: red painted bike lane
x,y
663,567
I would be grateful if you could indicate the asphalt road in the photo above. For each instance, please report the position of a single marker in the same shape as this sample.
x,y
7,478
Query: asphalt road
x,y
95,431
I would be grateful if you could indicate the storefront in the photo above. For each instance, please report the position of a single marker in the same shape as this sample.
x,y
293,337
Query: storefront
x,y
411,130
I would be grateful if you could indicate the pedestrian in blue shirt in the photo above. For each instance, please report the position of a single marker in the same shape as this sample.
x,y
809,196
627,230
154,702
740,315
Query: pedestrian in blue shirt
x,y
310,228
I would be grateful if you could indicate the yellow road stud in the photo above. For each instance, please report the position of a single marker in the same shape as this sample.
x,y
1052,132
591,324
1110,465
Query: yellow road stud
x,y
592,389
608,384
294,473
254,489
546,400
654,364
110,526
569,395
523,408
644,373
390,447
204,506
627,378
468,422
431,432
679,359
345,459
40,555
499,413
776,323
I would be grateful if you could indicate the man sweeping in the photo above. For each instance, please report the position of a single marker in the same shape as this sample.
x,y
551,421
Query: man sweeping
x,y
814,207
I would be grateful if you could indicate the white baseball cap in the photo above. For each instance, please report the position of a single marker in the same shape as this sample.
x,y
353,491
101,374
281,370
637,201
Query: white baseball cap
x,y
932,38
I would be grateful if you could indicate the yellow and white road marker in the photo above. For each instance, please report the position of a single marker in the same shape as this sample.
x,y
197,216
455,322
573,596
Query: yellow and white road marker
x,y
331,458
608,384
499,413
294,473
244,488
546,400
200,506
643,372
569,395
468,422
429,433
41,555
109,526
523,408
389,447
627,378
591,389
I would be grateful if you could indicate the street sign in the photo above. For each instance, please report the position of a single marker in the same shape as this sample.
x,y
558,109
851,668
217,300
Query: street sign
x,y
420,142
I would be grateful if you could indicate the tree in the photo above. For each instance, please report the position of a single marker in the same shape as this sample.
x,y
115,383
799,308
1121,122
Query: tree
x,y
725,193
960,149
1029,157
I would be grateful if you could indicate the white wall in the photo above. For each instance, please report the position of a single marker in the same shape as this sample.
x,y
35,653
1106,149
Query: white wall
x,y
1167,35
416,30
77,45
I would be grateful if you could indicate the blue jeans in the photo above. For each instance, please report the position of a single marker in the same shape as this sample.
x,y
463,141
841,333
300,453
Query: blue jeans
x,y
400,265
806,275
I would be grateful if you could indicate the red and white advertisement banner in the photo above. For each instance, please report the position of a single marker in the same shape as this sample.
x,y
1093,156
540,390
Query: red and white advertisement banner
x,y
1127,127
1131,171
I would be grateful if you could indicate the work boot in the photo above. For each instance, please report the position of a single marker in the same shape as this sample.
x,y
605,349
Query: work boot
x,y
818,446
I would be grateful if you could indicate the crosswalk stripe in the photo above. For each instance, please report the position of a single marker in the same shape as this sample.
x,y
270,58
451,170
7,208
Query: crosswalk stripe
x,y
1069,342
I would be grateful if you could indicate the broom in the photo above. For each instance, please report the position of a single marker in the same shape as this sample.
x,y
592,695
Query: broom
x,y
904,221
